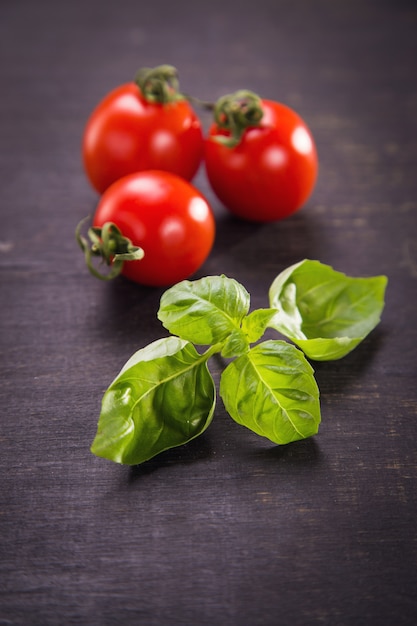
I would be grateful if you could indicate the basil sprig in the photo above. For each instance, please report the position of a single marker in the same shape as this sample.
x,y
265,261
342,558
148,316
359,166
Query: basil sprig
x,y
165,396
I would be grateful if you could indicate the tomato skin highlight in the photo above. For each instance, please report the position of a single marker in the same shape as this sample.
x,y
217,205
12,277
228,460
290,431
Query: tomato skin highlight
x,y
271,173
125,133
167,217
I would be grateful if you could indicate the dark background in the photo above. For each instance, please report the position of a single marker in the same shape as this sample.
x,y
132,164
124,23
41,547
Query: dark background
x,y
229,529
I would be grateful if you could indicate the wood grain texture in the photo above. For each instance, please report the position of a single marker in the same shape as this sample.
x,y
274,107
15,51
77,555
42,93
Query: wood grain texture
x,y
229,529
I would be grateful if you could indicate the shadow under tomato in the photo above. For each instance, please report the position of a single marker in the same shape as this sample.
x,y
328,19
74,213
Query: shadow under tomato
x,y
127,310
257,252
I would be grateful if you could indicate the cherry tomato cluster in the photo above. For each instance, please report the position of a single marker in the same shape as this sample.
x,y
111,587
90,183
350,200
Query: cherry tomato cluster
x,y
144,143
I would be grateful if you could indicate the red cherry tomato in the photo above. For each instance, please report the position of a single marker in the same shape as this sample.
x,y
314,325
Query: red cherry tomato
x,y
167,217
126,133
271,172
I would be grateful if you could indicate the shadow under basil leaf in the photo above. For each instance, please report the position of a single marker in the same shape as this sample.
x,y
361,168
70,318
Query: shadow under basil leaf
x,y
305,452
195,450
337,376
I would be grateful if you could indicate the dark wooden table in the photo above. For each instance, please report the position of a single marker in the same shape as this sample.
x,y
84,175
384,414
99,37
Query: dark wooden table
x,y
228,530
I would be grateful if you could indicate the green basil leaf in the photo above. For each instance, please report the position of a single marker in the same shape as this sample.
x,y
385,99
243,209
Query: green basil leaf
x,y
326,313
252,329
255,324
204,311
235,344
271,390
163,397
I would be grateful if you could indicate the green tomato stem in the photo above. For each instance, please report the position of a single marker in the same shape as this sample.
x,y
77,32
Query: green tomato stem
x,y
236,112
203,104
159,84
110,246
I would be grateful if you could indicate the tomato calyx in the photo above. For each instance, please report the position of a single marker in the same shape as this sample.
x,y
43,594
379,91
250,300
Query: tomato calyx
x,y
110,245
159,84
235,113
